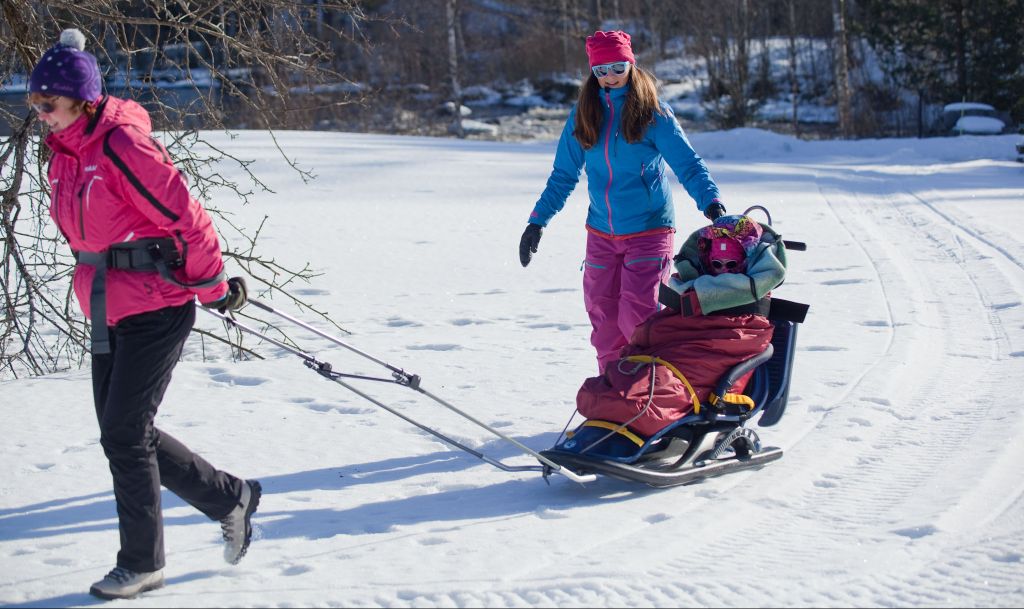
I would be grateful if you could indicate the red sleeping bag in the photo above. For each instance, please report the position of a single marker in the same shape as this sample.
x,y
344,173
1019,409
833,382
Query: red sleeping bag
x,y
702,347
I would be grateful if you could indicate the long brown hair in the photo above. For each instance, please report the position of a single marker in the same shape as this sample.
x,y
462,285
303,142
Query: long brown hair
x,y
637,114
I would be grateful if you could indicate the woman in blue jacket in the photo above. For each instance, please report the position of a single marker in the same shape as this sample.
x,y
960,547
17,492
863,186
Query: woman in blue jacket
x,y
624,136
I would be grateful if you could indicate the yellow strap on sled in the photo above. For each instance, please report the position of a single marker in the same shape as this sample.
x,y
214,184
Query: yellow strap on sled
x,y
734,398
731,398
616,427
650,359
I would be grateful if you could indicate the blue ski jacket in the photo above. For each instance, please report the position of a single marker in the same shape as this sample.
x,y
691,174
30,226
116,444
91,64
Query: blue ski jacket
x,y
628,186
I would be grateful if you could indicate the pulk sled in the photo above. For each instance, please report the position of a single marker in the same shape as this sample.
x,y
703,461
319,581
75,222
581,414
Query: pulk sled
x,y
712,440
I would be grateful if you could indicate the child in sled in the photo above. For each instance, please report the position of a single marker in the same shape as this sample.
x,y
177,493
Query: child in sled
x,y
725,273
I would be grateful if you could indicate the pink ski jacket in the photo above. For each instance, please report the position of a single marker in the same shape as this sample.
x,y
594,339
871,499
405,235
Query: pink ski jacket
x,y
111,182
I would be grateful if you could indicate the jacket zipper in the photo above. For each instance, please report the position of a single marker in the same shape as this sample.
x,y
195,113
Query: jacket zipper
x,y
608,162
81,212
87,189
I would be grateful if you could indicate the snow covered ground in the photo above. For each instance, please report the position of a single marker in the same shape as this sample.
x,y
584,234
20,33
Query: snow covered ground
x,y
900,484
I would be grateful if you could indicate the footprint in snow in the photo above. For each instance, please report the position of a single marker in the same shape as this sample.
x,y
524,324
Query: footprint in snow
x,y
843,281
470,322
656,518
233,379
398,322
879,401
562,327
435,347
295,570
917,532
550,514
556,290
493,292
312,292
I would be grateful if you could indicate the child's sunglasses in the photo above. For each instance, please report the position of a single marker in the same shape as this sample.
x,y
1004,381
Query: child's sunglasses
x,y
724,265
619,68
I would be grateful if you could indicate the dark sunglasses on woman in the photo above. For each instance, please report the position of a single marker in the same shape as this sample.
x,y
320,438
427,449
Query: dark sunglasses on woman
x,y
619,68
45,107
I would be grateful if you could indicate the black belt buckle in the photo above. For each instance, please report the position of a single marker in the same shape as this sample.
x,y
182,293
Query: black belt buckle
x,y
119,259
166,251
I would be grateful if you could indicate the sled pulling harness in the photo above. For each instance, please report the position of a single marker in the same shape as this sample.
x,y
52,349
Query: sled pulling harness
x,y
142,255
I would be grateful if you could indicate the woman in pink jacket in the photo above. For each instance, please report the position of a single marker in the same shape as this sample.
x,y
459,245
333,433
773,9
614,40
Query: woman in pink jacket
x,y
146,249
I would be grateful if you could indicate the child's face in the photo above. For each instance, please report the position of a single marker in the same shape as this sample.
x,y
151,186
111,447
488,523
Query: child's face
x,y
726,256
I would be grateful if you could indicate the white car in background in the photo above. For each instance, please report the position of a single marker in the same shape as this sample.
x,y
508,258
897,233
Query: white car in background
x,y
971,118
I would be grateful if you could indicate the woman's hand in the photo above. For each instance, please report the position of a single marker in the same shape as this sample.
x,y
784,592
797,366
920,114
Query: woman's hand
x,y
528,243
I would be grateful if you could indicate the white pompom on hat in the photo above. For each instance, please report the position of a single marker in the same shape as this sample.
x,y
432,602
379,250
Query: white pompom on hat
x,y
74,38
68,70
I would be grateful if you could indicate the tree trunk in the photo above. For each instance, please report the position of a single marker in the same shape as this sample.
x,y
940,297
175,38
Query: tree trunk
x,y
961,49
453,67
794,83
843,92
563,11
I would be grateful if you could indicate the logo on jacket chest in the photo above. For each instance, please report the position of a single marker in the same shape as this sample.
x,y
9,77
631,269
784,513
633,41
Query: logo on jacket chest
x,y
91,167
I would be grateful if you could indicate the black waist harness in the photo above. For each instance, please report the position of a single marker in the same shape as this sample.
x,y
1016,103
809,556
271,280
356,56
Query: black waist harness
x,y
150,255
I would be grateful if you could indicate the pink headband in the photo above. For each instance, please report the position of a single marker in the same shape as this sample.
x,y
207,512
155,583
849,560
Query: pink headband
x,y
609,47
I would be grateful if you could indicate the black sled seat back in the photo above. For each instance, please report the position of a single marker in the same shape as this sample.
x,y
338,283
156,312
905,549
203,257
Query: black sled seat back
x,y
775,374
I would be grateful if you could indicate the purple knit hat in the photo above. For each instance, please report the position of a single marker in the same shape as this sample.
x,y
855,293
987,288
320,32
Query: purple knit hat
x,y
67,70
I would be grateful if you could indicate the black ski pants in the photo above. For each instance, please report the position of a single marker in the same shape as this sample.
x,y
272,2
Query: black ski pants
x,y
128,385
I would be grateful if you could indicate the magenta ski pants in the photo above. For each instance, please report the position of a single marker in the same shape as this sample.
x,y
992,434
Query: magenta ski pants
x,y
620,287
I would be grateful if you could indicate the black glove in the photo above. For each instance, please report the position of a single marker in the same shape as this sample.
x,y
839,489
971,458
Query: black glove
x,y
235,298
714,211
528,243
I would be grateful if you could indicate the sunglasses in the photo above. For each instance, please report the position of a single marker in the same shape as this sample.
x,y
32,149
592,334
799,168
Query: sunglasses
x,y
724,265
618,68
45,107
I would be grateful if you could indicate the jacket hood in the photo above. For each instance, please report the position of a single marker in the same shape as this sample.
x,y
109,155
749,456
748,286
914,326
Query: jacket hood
x,y
114,111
